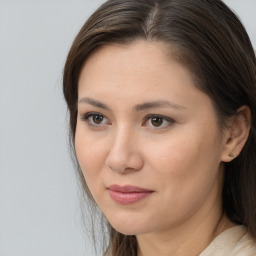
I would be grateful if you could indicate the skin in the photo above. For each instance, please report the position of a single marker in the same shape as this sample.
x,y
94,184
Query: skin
x,y
180,160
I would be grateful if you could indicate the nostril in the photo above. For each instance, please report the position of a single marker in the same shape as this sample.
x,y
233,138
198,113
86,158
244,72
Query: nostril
x,y
116,170
133,162
116,163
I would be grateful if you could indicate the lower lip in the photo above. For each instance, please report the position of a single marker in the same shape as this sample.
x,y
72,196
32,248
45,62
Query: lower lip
x,y
128,198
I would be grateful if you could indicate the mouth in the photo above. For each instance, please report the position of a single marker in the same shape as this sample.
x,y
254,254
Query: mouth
x,y
128,194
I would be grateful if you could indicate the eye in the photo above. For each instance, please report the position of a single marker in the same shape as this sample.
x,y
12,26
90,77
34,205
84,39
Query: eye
x,y
95,119
158,121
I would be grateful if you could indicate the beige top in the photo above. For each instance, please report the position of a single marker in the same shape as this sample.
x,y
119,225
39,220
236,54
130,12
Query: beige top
x,y
232,242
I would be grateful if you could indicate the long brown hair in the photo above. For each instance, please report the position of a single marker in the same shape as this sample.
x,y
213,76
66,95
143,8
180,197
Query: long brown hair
x,y
211,42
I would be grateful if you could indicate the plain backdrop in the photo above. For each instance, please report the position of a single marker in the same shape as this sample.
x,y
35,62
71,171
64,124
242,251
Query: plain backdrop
x,y
39,203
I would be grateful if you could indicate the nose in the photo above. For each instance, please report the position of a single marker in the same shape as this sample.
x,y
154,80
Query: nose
x,y
124,154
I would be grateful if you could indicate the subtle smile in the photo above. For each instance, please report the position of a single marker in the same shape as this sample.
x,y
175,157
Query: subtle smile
x,y
127,194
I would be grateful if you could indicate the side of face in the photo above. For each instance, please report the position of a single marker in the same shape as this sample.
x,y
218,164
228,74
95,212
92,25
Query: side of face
x,y
142,122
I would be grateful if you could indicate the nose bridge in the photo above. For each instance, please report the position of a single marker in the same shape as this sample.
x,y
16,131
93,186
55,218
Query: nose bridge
x,y
122,136
124,153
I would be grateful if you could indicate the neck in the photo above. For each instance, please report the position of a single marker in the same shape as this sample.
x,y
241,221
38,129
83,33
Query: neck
x,y
182,242
189,238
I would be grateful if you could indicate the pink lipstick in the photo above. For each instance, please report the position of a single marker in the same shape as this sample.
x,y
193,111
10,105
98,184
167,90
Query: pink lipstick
x,y
127,194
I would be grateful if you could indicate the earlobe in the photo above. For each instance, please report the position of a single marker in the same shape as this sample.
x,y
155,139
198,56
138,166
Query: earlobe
x,y
237,134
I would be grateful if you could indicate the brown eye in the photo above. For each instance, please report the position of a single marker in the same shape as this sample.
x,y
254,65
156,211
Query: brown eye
x,y
97,119
157,121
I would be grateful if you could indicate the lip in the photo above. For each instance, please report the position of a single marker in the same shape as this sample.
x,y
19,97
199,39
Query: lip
x,y
128,194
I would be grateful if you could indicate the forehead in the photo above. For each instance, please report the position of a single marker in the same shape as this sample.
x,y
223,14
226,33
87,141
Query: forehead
x,y
139,64
139,46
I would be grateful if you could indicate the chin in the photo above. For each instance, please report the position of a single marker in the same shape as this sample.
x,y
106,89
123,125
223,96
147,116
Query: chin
x,y
129,227
128,231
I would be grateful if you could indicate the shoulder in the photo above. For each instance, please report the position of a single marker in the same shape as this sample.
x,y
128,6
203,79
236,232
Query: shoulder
x,y
246,246
235,241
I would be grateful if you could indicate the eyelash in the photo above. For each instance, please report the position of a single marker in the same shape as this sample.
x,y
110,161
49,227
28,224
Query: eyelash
x,y
87,116
168,121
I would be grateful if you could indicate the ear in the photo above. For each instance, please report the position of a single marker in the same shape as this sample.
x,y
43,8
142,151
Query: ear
x,y
237,134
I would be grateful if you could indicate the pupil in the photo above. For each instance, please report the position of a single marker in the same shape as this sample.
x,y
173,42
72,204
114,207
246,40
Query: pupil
x,y
157,121
97,119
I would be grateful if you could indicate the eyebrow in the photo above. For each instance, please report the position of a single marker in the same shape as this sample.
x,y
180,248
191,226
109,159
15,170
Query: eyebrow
x,y
139,107
158,104
93,103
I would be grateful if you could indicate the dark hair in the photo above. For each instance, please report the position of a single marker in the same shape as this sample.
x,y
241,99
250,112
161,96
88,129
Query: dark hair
x,y
208,38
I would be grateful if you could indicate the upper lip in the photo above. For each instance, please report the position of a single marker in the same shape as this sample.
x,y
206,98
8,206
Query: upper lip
x,y
127,189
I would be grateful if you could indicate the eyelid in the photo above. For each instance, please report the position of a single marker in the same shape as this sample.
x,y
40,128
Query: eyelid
x,y
85,118
168,119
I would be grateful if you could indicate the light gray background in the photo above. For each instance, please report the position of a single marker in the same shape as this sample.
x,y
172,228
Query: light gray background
x,y
39,204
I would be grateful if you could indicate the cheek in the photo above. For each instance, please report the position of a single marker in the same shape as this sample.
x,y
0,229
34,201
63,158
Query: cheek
x,y
184,159
185,171
91,155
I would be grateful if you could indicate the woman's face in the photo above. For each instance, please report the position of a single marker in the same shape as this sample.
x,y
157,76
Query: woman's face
x,y
147,139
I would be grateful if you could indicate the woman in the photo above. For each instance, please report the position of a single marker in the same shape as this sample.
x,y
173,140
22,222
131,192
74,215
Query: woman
x,y
162,101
